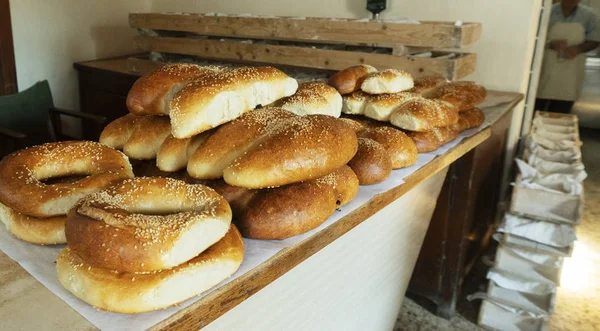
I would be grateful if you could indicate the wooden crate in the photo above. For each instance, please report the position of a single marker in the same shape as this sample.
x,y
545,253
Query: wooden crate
x,y
198,35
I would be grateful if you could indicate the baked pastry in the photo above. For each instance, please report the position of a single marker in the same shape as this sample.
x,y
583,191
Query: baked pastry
x,y
429,141
313,98
424,114
354,103
349,80
151,94
387,81
218,98
131,293
289,210
271,147
36,230
427,85
372,163
146,224
469,119
140,137
174,154
400,147
380,107
463,95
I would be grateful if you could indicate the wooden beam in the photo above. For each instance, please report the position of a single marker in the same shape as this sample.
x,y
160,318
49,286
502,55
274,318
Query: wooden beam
x,y
306,56
314,30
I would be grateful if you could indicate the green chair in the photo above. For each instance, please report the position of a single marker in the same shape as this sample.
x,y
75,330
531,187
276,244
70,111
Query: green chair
x,y
29,118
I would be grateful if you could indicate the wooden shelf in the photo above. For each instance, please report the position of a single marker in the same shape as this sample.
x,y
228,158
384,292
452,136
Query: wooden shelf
x,y
317,30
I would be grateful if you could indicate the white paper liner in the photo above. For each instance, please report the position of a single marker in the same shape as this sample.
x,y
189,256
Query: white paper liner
x,y
567,156
535,140
547,120
543,172
557,235
575,169
513,282
537,257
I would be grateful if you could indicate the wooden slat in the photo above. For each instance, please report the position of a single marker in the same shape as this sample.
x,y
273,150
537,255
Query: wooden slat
x,y
230,295
314,30
307,57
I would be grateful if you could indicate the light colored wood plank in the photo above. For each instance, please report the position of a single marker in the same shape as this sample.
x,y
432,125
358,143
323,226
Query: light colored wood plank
x,y
305,56
314,30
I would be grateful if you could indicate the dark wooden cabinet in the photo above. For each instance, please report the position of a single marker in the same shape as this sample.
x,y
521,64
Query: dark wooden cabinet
x,y
462,222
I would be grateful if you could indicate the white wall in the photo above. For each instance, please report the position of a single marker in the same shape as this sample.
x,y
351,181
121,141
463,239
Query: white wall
x,y
49,35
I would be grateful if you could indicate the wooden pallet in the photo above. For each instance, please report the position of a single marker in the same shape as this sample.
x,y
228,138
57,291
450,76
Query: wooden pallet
x,y
304,42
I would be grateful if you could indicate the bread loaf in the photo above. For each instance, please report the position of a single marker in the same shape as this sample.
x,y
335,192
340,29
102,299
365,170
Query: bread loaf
x,y
354,103
289,210
387,81
117,132
372,163
271,147
380,107
174,154
428,85
469,119
429,141
400,147
218,98
349,80
313,98
424,114
139,137
152,93
463,95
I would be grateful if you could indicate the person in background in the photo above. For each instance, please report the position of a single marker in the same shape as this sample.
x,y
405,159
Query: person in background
x,y
573,31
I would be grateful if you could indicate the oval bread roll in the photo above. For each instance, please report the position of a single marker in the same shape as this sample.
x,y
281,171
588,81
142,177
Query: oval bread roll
x,y
400,147
387,81
424,114
174,153
117,132
469,119
431,140
428,85
372,163
133,293
349,80
152,93
218,98
463,95
140,137
313,98
354,103
380,107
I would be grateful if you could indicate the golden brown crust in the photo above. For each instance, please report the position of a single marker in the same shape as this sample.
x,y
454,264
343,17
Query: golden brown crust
x,y
399,146
149,95
117,132
146,224
313,98
380,107
463,95
36,230
431,140
22,173
174,154
424,114
372,163
427,85
355,102
471,118
349,80
133,293
344,183
218,98
140,137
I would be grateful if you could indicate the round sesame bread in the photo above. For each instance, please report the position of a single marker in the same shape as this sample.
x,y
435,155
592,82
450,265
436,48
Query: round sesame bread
x,y
140,137
424,114
22,175
387,81
146,224
463,95
380,107
427,85
469,119
372,163
313,98
132,293
36,230
349,80
272,147
429,141
289,210
218,98
174,154
152,93
354,103
400,147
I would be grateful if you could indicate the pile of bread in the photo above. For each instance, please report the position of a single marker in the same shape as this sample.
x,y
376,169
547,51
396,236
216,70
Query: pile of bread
x,y
215,151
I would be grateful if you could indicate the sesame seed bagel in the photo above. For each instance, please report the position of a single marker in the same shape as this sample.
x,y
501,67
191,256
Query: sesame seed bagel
x,y
387,81
463,95
36,230
22,174
132,293
146,224
152,93
313,98
424,114
218,98
140,137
